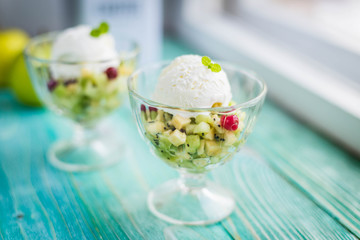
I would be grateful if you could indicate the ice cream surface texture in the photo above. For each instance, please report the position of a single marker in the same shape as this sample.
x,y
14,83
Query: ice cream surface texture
x,y
77,45
187,83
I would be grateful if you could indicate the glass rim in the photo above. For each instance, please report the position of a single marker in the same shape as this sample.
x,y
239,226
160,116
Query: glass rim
x,y
50,36
249,103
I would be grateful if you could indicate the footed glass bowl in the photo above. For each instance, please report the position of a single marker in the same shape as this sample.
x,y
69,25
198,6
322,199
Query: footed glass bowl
x,y
84,92
193,141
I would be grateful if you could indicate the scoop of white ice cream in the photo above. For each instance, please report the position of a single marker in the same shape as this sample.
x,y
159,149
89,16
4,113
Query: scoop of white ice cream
x,y
187,83
77,45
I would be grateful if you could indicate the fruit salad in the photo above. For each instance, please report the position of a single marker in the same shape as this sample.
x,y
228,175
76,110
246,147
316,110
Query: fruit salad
x,y
87,79
91,95
192,131
195,143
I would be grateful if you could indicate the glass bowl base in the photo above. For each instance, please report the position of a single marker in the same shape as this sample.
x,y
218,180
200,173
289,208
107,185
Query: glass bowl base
x,y
178,204
76,157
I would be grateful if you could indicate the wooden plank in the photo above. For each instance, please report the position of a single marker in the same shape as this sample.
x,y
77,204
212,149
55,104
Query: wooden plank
x,y
270,207
111,204
327,174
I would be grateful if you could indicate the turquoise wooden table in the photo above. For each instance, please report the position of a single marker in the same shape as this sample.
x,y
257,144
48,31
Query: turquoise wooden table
x,y
289,183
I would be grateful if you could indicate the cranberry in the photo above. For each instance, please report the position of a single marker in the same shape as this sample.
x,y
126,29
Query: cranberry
x,y
143,108
230,123
111,73
52,85
153,109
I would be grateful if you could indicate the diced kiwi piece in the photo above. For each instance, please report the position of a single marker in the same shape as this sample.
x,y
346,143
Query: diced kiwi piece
x,y
183,155
230,138
203,118
160,116
215,160
201,149
167,116
90,90
155,127
173,149
215,120
209,135
61,91
164,142
212,148
143,116
179,121
187,164
177,138
201,162
98,80
239,143
202,128
153,115
192,143
190,128
167,133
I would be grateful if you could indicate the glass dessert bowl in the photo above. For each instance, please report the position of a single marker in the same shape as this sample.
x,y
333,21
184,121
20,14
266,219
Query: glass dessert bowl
x,y
84,91
194,141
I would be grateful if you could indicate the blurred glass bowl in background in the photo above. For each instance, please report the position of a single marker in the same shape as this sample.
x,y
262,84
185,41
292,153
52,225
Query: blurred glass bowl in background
x,y
85,99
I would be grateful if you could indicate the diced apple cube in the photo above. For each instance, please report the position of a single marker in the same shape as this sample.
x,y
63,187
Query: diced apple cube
x,y
209,135
190,128
177,138
203,118
179,122
202,128
219,128
230,138
215,120
201,149
212,148
160,116
155,127
167,133
201,162
192,143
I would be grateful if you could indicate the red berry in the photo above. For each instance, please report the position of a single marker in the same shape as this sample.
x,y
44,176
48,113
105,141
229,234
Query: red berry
x,y
153,109
143,108
230,123
52,85
111,73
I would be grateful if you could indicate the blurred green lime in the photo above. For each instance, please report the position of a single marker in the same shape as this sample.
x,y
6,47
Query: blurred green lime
x,y
21,84
12,43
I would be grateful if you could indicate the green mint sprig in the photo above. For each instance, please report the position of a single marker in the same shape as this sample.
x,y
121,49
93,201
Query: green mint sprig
x,y
206,61
102,29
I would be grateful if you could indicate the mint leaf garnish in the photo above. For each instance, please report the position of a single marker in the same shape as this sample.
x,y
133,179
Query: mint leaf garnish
x,y
214,67
102,29
205,60
95,33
